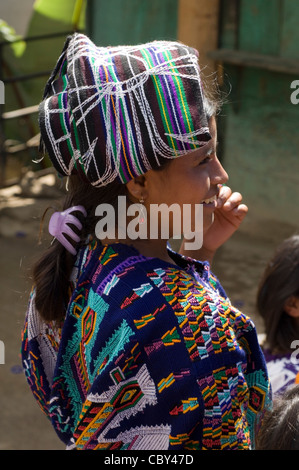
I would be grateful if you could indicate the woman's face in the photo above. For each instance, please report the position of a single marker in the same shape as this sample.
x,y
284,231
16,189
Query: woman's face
x,y
191,179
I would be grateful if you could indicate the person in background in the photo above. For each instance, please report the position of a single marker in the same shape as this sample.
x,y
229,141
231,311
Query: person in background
x,y
280,426
278,305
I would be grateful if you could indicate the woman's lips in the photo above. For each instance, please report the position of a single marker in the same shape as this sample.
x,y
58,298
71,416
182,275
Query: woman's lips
x,y
210,202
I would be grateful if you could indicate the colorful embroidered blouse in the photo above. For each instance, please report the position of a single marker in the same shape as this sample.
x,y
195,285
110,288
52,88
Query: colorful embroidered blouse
x,y
151,355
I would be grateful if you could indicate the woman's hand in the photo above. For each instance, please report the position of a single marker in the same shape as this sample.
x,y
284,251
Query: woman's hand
x,y
228,216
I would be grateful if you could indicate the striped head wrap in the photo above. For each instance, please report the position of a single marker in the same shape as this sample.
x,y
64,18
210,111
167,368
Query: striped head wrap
x,y
113,113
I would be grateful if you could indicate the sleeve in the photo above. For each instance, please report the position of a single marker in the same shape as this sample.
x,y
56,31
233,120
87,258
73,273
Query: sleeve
x,y
39,349
255,368
255,372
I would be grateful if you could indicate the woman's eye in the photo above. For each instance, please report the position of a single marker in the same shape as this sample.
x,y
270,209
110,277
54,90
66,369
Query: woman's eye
x,y
205,160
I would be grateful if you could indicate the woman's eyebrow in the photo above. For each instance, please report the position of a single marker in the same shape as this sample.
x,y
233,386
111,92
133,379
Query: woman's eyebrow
x,y
212,149
205,151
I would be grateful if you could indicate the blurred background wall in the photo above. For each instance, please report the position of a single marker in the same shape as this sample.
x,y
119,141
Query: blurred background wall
x,y
253,47
258,49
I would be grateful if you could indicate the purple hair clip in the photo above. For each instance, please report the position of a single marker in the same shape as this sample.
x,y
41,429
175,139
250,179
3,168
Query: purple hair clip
x,y
58,227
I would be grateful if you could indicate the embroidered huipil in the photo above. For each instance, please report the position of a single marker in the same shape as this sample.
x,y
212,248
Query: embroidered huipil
x,y
151,355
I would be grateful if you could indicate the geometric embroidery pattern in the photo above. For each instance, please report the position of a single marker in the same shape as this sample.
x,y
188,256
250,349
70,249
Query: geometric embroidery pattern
x,y
133,103
150,356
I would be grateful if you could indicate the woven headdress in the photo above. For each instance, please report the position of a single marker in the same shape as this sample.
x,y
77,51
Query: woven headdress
x,y
116,112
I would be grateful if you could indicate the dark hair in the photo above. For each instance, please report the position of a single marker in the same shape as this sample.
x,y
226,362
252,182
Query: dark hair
x,y
279,282
280,426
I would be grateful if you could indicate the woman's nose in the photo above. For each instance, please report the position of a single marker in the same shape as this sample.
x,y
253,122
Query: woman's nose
x,y
219,176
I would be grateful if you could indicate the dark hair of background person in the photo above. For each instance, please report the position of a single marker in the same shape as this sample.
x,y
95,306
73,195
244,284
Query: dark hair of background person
x,y
279,282
280,427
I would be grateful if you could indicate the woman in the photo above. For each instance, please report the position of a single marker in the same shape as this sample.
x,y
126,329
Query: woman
x,y
130,345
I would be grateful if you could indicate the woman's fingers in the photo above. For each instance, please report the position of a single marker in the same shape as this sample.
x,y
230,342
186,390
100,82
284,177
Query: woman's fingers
x,y
223,195
231,204
233,201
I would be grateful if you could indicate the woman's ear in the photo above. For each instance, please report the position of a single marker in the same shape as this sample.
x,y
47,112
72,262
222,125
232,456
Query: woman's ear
x,y
291,306
137,188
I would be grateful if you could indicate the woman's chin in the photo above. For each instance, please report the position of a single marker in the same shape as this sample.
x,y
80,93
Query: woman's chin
x,y
208,220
